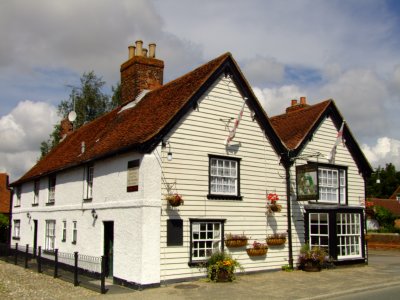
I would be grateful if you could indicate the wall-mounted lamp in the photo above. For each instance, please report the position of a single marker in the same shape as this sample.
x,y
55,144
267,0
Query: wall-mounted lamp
x,y
28,215
94,214
169,154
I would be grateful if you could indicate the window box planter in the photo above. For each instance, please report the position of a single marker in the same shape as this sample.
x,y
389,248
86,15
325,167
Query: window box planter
x,y
257,249
174,199
235,240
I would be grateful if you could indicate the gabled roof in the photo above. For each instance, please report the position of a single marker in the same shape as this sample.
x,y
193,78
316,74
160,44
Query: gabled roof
x,y
390,204
142,127
395,193
297,127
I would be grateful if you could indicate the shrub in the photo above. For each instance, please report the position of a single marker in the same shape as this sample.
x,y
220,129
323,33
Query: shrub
x,y
384,217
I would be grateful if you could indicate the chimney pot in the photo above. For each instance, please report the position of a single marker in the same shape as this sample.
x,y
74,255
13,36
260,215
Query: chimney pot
x,y
303,100
144,51
152,50
294,102
131,52
139,45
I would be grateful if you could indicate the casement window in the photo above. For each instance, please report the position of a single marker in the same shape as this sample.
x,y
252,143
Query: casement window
x,y
88,182
206,237
64,231
36,189
224,178
50,236
322,182
74,232
175,232
52,189
133,176
17,196
17,229
332,185
339,231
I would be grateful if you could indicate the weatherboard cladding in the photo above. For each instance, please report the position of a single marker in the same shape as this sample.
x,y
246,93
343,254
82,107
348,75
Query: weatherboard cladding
x,y
142,127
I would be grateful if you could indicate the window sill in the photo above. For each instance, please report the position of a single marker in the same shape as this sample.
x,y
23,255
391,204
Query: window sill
x,y
73,243
35,204
49,252
49,203
199,263
87,200
133,188
16,238
223,197
17,206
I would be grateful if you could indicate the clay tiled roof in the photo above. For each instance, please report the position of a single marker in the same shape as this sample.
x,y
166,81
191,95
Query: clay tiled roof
x,y
121,130
390,204
294,126
395,193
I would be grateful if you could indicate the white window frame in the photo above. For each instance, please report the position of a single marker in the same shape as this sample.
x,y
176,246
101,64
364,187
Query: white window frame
x,y
321,235
332,185
64,231
36,191
74,232
50,235
88,182
206,238
17,229
224,176
348,227
52,189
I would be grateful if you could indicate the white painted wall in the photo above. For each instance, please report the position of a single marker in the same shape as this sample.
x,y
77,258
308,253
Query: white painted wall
x,y
203,132
136,215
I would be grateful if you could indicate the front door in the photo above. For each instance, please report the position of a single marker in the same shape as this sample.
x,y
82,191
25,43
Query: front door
x,y
108,246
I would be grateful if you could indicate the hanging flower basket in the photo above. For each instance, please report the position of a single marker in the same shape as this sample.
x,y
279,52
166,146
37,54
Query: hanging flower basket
x,y
276,239
235,240
257,249
174,199
272,205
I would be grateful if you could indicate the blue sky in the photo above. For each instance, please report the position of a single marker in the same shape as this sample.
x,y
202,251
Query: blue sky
x,y
345,50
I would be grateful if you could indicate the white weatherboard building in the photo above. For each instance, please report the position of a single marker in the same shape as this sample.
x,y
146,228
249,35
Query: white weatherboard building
x,y
203,136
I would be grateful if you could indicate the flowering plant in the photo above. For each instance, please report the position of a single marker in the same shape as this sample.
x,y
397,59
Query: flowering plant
x,y
314,256
174,199
369,204
258,245
272,197
221,263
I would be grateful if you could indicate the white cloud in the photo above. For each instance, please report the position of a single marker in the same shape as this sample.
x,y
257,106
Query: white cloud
x,y
386,150
21,132
262,71
276,100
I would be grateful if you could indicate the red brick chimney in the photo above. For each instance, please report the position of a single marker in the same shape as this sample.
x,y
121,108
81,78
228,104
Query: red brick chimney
x,y
297,106
140,72
66,128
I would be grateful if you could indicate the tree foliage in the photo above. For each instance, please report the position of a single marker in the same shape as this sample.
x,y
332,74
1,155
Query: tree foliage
x,y
389,181
88,101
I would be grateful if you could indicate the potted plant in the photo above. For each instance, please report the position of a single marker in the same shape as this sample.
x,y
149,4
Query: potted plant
x,y
235,240
174,199
276,239
272,206
257,249
221,267
312,259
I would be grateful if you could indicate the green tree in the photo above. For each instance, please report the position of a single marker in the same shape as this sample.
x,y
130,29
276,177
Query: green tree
x,y
389,180
88,101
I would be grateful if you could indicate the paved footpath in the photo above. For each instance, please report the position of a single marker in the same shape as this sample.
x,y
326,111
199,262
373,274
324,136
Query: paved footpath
x,y
383,271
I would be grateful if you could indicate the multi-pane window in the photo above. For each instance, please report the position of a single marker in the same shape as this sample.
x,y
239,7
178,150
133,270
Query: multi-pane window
x,y
332,185
52,189
88,181
223,176
64,231
17,229
50,235
206,239
348,235
18,196
319,230
74,232
36,189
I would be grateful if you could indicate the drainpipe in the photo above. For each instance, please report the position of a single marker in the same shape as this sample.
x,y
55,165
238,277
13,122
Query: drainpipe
x,y
289,214
11,189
